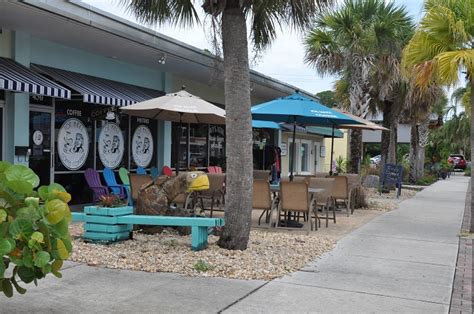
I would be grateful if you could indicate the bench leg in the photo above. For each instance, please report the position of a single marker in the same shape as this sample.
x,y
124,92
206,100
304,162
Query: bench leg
x,y
198,238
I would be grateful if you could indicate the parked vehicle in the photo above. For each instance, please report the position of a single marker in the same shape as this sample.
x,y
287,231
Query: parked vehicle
x,y
376,159
458,161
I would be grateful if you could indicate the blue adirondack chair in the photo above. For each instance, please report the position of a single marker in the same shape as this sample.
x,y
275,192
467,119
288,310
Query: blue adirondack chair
x,y
154,173
141,170
93,180
115,188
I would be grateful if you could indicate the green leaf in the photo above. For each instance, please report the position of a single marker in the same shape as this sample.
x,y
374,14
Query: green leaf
x,y
43,192
3,215
56,211
61,229
62,251
28,257
20,187
26,274
22,173
38,237
4,165
7,288
5,247
29,213
19,289
42,258
54,191
56,266
2,268
21,228
32,201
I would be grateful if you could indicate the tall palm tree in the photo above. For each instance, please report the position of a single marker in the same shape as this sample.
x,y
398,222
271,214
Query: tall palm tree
x,y
232,18
357,41
442,46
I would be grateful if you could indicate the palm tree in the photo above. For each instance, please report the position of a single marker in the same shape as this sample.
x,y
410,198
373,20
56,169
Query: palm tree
x,y
421,103
232,18
359,40
442,46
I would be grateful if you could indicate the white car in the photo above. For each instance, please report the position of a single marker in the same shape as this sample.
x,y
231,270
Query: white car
x,y
376,159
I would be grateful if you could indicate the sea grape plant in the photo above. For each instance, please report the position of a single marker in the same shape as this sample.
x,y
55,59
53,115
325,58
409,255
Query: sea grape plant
x,y
34,233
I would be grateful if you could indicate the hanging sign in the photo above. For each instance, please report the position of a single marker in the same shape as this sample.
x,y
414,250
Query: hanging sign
x,y
142,146
111,145
73,144
284,151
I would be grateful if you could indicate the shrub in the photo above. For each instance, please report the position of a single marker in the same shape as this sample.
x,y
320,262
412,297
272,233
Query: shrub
x,y
427,179
202,266
467,172
111,201
34,227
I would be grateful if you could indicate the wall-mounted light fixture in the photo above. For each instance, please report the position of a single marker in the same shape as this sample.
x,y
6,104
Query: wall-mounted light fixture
x,y
162,59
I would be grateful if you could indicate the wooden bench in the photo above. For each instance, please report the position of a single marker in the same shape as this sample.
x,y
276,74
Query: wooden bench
x,y
114,224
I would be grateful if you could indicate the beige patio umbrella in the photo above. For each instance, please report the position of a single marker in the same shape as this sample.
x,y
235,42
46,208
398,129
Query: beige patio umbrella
x,y
365,124
178,107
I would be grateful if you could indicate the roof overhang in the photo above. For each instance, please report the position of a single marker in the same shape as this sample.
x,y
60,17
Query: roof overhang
x,y
79,25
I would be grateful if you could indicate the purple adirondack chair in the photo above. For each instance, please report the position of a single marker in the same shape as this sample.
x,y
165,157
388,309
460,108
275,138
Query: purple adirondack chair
x,y
93,180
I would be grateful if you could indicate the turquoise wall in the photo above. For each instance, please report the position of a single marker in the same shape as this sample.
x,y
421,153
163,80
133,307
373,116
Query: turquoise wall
x,y
72,59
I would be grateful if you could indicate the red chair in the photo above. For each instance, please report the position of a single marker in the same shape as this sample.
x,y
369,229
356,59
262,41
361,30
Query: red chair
x,y
167,171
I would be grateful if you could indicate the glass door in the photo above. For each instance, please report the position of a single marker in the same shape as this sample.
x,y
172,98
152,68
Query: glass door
x,y
41,139
316,154
304,166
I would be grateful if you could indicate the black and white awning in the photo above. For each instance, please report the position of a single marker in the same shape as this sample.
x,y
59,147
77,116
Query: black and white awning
x,y
98,90
18,78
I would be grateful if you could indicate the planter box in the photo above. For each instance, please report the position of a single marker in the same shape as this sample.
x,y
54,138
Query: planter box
x,y
101,223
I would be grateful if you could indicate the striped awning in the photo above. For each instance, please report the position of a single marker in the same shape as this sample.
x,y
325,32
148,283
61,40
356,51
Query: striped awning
x,y
97,90
18,78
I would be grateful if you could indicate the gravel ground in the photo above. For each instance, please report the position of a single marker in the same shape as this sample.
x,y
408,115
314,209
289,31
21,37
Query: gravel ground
x,y
269,255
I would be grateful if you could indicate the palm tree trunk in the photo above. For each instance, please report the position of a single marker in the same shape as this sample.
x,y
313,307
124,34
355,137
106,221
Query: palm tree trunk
x,y
356,151
414,148
238,199
385,140
471,229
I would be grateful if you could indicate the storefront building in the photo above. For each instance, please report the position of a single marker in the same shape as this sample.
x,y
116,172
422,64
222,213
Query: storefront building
x,y
65,71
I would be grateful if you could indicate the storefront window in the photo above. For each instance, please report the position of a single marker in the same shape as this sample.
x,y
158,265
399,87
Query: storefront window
x,y
112,143
181,137
74,148
217,145
143,144
198,145
263,148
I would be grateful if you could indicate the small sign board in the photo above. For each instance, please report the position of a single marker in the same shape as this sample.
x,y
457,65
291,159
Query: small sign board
x,y
392,176
283,148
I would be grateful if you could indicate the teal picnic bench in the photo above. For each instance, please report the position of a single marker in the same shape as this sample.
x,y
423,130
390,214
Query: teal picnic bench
x,y
114,224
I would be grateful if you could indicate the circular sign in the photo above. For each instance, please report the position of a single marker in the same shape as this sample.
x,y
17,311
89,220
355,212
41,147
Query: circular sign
x,y
38,137
111,145
73,144
142,146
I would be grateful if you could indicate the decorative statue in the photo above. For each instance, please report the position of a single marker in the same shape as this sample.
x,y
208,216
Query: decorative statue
x,y
156,197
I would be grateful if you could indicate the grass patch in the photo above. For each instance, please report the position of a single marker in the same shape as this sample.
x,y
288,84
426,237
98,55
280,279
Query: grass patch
x,y
202,266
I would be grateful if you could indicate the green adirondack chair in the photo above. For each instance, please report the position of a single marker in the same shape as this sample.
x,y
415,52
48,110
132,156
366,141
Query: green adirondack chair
x,y
123,174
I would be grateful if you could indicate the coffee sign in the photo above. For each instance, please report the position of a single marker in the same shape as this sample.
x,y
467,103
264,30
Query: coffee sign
x,y
111,145
73,144
142,146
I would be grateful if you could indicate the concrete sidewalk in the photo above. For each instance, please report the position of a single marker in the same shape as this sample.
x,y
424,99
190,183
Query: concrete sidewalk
x,y
402,261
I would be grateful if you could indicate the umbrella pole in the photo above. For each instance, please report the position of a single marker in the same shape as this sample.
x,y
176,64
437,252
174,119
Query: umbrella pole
x,y
332,151
179,142
292,164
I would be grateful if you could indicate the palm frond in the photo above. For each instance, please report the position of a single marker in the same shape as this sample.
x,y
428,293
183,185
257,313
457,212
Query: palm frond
x,y
158,12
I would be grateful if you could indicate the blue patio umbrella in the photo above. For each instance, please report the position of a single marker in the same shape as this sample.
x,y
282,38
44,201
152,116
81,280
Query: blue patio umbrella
x,y
299,109
259,124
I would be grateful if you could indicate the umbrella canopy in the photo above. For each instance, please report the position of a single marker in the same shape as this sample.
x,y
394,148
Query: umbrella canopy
x,y
259,124
366,124
178,107
300,109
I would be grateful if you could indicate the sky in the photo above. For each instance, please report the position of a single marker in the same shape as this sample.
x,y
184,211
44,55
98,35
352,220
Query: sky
x,y
283,60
